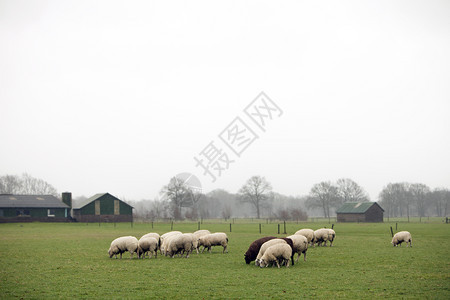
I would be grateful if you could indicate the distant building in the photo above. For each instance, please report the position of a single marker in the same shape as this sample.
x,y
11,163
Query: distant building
x,y
30,208
360,212
103,208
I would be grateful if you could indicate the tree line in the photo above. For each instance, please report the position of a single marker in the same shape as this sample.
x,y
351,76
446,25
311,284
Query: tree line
x,y
256,198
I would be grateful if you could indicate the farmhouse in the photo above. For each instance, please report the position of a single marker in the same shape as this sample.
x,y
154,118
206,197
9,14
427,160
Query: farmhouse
x,y
30,208
103,208
360,212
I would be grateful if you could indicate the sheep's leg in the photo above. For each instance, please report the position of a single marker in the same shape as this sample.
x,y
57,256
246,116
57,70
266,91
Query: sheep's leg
x,y
287,263
304,256
278,264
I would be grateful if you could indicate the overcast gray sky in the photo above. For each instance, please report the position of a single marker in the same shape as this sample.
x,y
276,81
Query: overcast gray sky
x,y
119,96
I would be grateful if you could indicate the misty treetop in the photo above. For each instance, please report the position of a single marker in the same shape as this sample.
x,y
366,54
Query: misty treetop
x,y
25,185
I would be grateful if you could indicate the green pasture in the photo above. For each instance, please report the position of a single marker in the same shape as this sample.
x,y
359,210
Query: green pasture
x,y
48,261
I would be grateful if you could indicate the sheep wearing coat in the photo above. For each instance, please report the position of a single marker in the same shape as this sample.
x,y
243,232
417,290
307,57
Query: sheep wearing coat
x,y
400,237
181,243
163,239
213,239
266,245
148,245
276,254
300,245
254,247
323,235
197,235
123,244
308,233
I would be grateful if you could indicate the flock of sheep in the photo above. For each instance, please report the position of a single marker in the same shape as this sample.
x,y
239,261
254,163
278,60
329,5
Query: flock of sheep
x,y
265,251
270,250
169,244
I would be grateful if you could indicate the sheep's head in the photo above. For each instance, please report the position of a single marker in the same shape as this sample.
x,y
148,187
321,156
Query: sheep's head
x,y
262,263
110,252
247,259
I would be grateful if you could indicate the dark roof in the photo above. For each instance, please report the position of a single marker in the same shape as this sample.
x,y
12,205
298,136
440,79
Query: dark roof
x,y
31,201
93,198
356,207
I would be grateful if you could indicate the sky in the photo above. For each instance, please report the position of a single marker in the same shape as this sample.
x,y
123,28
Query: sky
x,y
120,96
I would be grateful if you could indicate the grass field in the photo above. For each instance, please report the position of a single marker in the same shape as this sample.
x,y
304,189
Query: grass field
x,y
42,260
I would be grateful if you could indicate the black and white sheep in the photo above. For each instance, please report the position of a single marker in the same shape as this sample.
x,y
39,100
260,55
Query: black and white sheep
x,y
254,247
400,237
123,244
213,239
276,254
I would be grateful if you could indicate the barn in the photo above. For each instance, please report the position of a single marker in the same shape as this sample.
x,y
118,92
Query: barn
x,y
31,208
103,208
360,212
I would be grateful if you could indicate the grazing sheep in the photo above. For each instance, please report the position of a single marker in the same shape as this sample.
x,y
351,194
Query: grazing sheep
x,y
308,233
400,237
323,235
276,253
148,245
213,239
300,245
155,235
254,247
179,244
123,244
163,239
197,235
266,245
331,236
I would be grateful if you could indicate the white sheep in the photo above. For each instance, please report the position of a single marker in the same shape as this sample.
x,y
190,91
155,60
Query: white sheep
x,y
300,245
323,235
276,253
123,244
400,237
153,234
179,244
163,239
266,245
308,233
213,239
197,235
148,245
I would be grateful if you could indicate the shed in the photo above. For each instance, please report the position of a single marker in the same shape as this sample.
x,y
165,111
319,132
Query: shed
x,y
103,208
30,208
360,212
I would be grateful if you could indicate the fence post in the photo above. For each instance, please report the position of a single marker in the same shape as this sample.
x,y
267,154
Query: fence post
x,y
332,226
198,225
392,233
278,228
230,227
284,227
396,227
259,227
171,226
152,224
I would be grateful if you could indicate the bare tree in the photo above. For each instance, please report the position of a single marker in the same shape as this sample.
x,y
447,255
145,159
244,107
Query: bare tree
x,y
257,191
440,198
27,185
420,194
323,195
350,191
179,195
